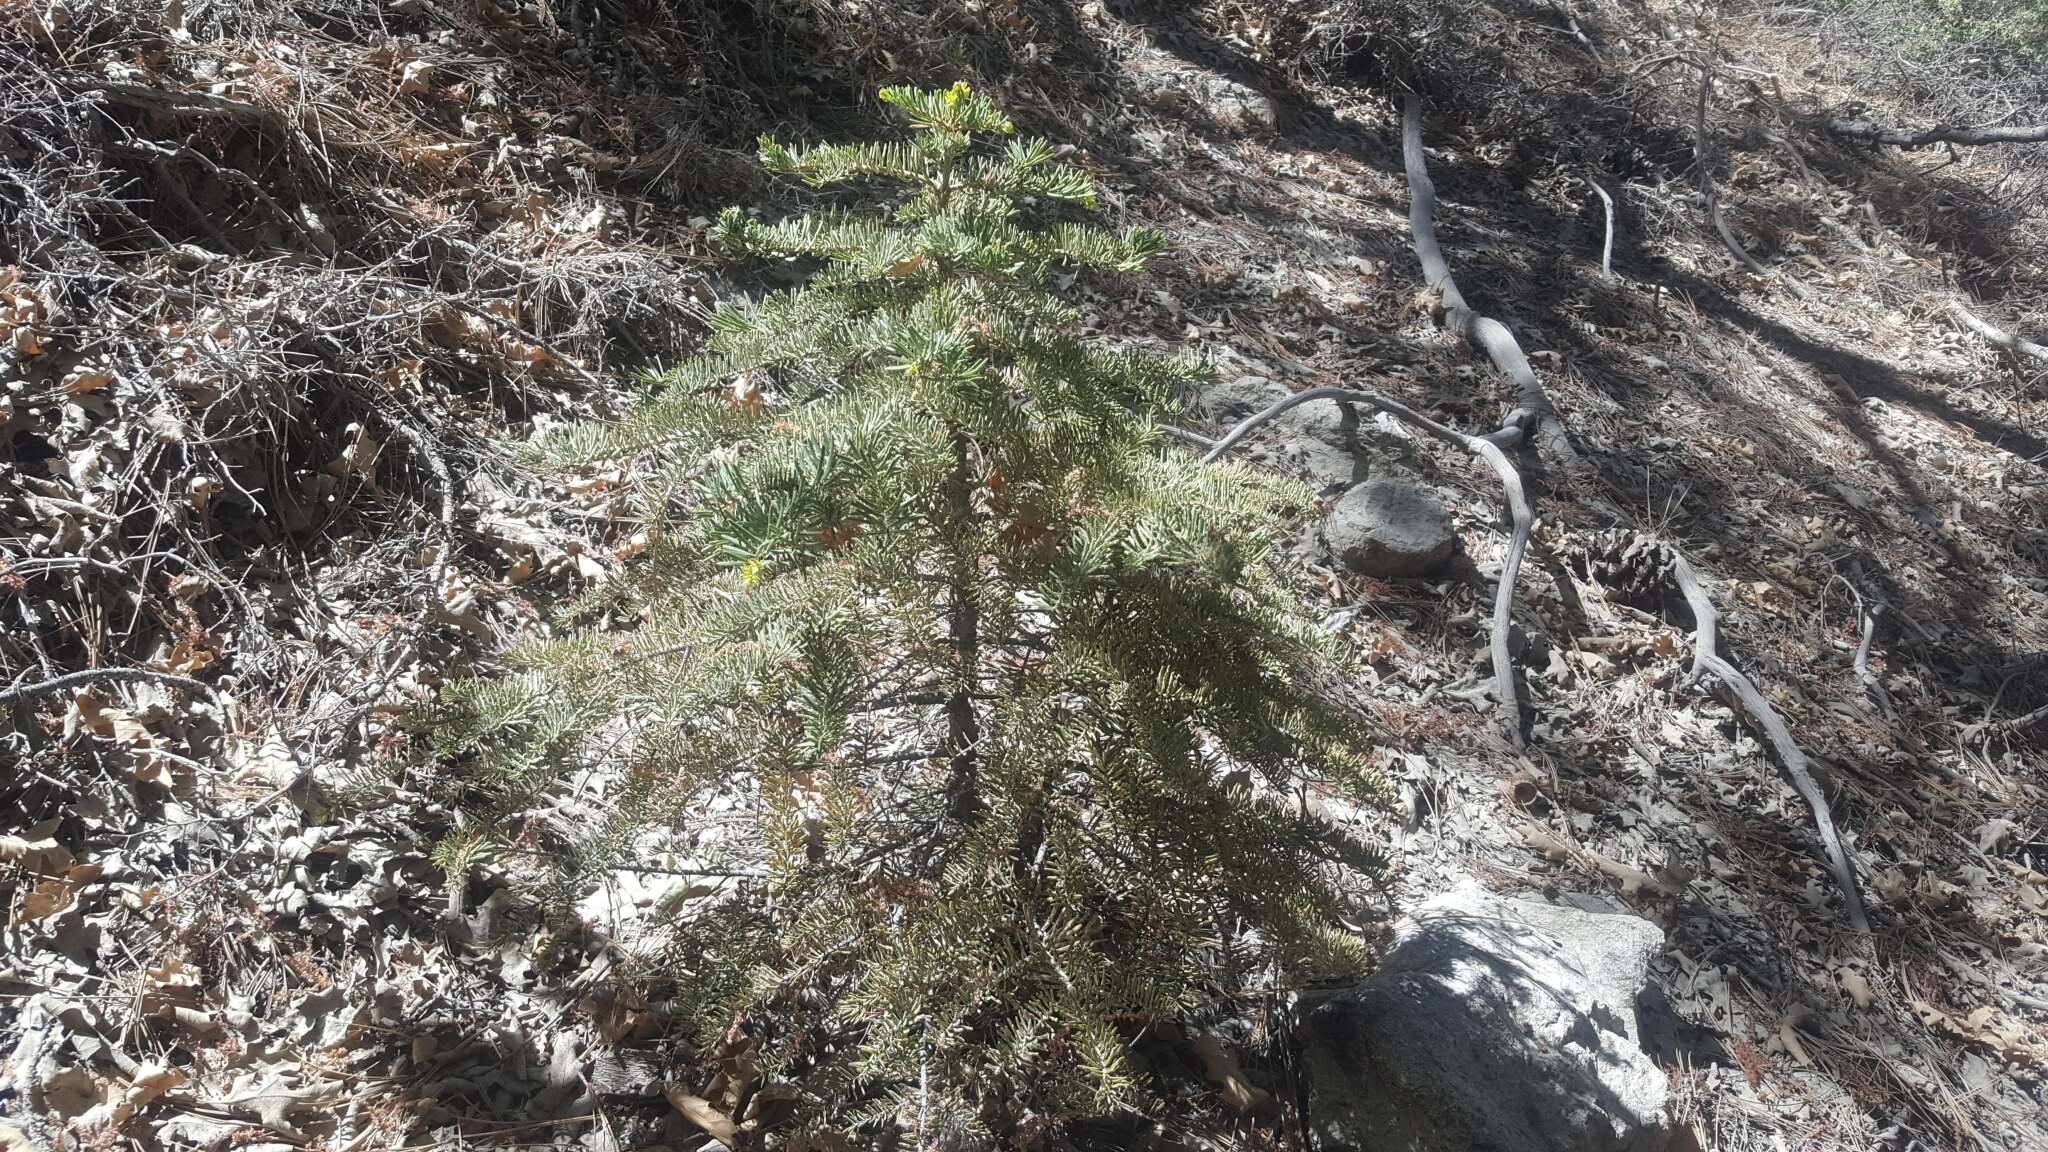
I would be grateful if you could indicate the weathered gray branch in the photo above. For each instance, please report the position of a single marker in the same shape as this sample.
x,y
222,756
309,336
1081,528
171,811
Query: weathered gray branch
x,y
1533,412
1706,659
104,676
1607,246
1703,162
2007,340
1938,134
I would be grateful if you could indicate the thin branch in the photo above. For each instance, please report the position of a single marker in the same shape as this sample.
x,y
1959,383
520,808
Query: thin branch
x,y
2011,342
1186,437
1871,683
1607,246
104,676
1533,413
1938,134
1706,659
1702,161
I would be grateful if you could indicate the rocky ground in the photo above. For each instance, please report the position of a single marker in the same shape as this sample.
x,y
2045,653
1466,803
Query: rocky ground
x,y
228,923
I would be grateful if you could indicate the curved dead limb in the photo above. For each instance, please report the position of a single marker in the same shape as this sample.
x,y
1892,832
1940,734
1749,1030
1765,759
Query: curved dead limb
x,y
1487,449
1938,134
1607,246
1533,414
2009,341
1701,160
1871,683
104,676
1706,659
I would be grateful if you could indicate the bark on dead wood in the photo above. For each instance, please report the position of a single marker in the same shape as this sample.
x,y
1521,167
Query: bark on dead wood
x,y
2006,340
1706,659
1533,414
1607,245
1938,134
1702,160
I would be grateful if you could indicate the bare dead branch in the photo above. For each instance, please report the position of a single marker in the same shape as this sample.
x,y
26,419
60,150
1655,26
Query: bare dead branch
x,y
1938,134
1703,170
106,676
1707,660
1533,414
2009,341
1607,246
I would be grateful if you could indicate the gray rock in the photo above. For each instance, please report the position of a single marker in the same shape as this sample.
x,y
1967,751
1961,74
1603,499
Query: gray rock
x,y
1234,399
1493,1023
1390,527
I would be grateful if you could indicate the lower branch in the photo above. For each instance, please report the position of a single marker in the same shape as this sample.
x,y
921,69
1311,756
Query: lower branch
x,y
2009,341
1606,247
107,676
1511,484
1938,134
1533,413
1706,659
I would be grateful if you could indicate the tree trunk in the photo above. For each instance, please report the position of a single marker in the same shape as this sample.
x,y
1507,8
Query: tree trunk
x,y
963,632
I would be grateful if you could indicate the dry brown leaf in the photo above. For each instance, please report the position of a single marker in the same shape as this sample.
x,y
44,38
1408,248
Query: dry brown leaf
x,y
415,76
746,393
40,854
1542,841
701,1112
58,893
1857,987
87,378
1788,1035
531,355
359,457
1221,1069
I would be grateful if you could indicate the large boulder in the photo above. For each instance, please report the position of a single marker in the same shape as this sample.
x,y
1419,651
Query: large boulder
x,y
1391,526
1493,1023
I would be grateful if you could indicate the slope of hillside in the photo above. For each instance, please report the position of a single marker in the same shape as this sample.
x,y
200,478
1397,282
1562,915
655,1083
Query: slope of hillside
x,y
280,286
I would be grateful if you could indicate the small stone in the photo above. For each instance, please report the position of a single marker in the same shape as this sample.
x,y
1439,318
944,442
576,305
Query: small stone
x,y
1390,527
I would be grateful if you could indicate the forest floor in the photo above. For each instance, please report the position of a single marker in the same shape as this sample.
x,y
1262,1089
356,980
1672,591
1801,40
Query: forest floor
x,y
236,456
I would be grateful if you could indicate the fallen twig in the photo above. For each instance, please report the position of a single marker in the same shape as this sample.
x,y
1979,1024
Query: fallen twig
x,y
1607,246
1938,134
1703,171
105,676
1706,659
1533,414
1870,681
2009,341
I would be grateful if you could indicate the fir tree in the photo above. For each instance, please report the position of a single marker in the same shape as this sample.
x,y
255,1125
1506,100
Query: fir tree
x,y
1003,701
